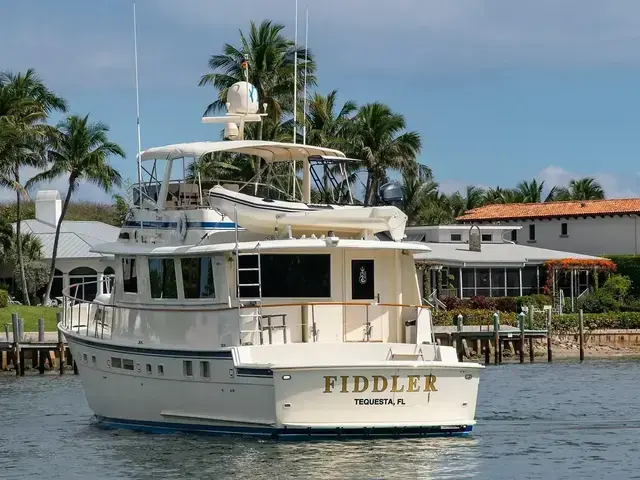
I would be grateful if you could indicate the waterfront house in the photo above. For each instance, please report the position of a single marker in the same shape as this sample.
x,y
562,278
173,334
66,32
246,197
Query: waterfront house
x,y
74,263
591,227
483,261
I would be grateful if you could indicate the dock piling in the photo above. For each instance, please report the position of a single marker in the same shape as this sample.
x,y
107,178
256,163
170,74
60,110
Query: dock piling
x,y
459,346
6,332
496,337
41,352
16,342
522,341
581,333
549,353
531,313
60,344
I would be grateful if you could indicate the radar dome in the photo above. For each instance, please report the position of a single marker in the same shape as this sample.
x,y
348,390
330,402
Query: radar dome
x,y
242,97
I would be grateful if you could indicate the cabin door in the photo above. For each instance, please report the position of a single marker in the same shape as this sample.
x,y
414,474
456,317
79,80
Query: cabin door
x,y
363,318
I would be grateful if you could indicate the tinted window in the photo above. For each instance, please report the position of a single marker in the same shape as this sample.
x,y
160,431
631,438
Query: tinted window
x,y
197,277
532,232
487,237
514,235
162,278
362,281
287,276
456,237
129,275
564,229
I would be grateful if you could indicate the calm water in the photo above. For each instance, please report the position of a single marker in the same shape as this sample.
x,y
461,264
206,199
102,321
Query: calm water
x,y
535,421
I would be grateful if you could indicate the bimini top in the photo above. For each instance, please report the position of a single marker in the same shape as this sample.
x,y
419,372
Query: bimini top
x,y
268,151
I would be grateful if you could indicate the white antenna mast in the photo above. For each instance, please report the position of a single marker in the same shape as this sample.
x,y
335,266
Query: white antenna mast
x,y
135,53
295,100
295,77
304,94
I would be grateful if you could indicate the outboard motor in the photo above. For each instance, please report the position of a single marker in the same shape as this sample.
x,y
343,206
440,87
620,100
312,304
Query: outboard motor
x,y
391,194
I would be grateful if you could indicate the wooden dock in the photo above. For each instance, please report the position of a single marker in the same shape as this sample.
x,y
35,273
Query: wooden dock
x,y
493,341
43,355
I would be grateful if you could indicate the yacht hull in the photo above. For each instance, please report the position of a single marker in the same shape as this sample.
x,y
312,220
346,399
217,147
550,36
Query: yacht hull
x,y
206,392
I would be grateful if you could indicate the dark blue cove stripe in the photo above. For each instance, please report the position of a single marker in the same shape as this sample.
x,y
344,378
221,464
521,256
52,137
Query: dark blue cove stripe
x,y
135,350
283,433
172,225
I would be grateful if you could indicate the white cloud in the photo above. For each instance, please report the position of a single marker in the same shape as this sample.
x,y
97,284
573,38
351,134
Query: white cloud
x,y
614,186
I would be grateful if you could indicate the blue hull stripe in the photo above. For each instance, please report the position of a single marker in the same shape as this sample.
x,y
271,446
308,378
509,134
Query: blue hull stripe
x,y
281,433
221,354
174,225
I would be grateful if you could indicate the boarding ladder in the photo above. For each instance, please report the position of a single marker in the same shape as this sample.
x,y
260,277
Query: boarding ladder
x,y
248,271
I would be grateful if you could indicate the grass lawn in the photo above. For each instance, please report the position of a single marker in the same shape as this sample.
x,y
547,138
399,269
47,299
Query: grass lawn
x,y
31,316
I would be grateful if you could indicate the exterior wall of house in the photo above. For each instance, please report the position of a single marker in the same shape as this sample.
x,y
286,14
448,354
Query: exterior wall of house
x,y
590,236
72,270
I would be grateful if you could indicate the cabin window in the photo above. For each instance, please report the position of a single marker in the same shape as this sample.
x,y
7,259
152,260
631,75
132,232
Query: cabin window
x,y
93,359
187,367
204,370
487,237
160,369
564,229
162,278
456,237
149,370
116,362
197,277
287,275
127,364
129,275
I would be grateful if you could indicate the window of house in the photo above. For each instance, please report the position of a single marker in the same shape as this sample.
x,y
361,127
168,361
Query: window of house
x,y
564,229
197,277
498,278
468,282
483,282
162,278
487,237
204,369
514,235
532,233
116,362
456,237
287,275
529,281
129,275
187,368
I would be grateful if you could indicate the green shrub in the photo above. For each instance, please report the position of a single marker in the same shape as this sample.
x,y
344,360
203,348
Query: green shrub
x,y
618,286
599,301
538,300
628,265
482,317
506,304
4,298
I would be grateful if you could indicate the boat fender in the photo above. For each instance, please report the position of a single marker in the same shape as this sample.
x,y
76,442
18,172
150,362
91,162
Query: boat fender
x,y
182,226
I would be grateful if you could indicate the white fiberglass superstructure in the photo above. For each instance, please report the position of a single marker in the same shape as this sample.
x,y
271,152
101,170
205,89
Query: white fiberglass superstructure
x,y
235,314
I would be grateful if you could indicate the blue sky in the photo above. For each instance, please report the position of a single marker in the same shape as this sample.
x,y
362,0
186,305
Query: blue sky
x,y
500,90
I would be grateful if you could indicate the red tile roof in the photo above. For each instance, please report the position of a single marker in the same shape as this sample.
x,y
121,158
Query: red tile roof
x,y
512,211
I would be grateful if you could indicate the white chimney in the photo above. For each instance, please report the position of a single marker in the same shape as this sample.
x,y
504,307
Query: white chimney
x,y
48,206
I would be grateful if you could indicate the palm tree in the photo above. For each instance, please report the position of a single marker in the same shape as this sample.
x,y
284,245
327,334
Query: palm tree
x,y
416,196
582,189
271,58
474,197
25,103
6,236
81,151
531,192
379,139
326,124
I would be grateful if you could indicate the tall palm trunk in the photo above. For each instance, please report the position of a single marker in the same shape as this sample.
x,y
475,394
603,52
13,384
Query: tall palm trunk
x,y
52,270
23,277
